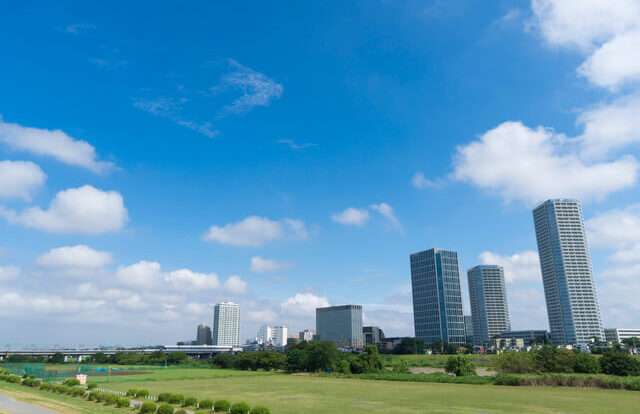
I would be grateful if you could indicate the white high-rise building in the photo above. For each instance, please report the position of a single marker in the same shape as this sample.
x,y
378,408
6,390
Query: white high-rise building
x,y
226,324
273,335
488,297
569,287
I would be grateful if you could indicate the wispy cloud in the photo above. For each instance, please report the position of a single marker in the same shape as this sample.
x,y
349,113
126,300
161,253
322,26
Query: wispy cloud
x,y
77,28
294,146
171,108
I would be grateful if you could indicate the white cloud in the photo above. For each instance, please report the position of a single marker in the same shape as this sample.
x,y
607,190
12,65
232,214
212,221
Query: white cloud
x,y
617,62
78,27
84,210
79,256
530,165
303,304
420,182
387,212
351,217
235,284
12,303
144,275
629,255
256,231
185,279
19,179
262,316
8,273
52,143
257,89
132,303
260,265
527,307
294,146
610,127
519,267
584,23
617,228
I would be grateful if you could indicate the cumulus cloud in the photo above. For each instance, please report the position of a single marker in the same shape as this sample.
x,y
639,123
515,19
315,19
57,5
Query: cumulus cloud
x,y
387,212
148,276
79,256
608,32
256,231
421,182
303,304
260,265
8,273
84,210
519,267
351,216
20,179
52,143
530,165
618,228
13,303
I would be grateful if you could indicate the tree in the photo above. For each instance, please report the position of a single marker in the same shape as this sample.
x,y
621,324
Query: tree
x,y
460,366
322,355
586,364
515,363
57,358
443,347
618,363
633,342
226,361
297,360
409,346
100,358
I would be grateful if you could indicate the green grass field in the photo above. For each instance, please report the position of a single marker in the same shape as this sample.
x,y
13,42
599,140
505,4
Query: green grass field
x,y
313,394
436,361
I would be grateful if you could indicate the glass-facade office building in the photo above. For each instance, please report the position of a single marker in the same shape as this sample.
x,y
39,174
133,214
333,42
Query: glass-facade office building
x,y
488,297
340,324
437,297
569,287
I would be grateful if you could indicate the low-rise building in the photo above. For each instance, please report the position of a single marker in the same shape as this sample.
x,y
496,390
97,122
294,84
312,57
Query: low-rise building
x,y
617,335
506,343
307,335
528,336
372,335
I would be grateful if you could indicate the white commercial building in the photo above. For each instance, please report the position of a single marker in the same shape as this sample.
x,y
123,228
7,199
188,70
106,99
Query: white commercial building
x,y
226,324
273,335
617,335
569,288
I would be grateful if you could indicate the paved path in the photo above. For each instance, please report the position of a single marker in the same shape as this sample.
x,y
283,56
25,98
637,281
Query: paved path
x,y
10,405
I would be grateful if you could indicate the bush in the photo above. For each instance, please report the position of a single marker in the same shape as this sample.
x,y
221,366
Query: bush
x,y
515,363
148,407
618,363
259,409
131,392
92,385
206,404
71,382
190,402
176,399
45,386
27,382
123,402
240,408
508,379
112,399
586,364
165,409
103,397
460,366
343,367
164,397
220,405
401,367
79,392
142,393
94,396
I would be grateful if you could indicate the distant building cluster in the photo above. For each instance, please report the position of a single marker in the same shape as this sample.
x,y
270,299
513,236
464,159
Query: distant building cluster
x,y
567,276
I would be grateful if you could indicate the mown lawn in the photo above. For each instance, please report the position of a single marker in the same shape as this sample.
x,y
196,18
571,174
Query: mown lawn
x,y
314,394
63,404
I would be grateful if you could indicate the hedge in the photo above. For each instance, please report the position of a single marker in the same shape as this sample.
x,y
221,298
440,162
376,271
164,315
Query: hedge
x,y
240,408
221,405
165,409
148,407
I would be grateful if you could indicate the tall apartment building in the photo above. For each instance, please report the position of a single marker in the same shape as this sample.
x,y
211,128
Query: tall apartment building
x,y
203,335
340,324
569,287
488,297
273,335
226,324
437,297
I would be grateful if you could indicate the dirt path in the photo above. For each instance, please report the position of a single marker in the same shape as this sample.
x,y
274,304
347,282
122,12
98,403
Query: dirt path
x,y
9,405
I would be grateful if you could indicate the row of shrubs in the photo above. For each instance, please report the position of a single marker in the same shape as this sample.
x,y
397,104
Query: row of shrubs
x,y
571,380
148,407
553,360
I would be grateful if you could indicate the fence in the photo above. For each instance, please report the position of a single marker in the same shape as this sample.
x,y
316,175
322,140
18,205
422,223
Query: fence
x,y
57,373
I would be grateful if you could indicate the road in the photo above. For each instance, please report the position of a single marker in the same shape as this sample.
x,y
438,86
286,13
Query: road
x,y
9,405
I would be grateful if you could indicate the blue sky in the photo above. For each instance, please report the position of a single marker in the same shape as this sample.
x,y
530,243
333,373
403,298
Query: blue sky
x,y
159,157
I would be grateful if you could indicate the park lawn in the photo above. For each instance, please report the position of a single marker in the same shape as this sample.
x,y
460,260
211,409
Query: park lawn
x,y
285,394
63,404
436,361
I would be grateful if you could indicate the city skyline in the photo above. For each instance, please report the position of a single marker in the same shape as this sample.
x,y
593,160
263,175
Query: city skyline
x,y
288,157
